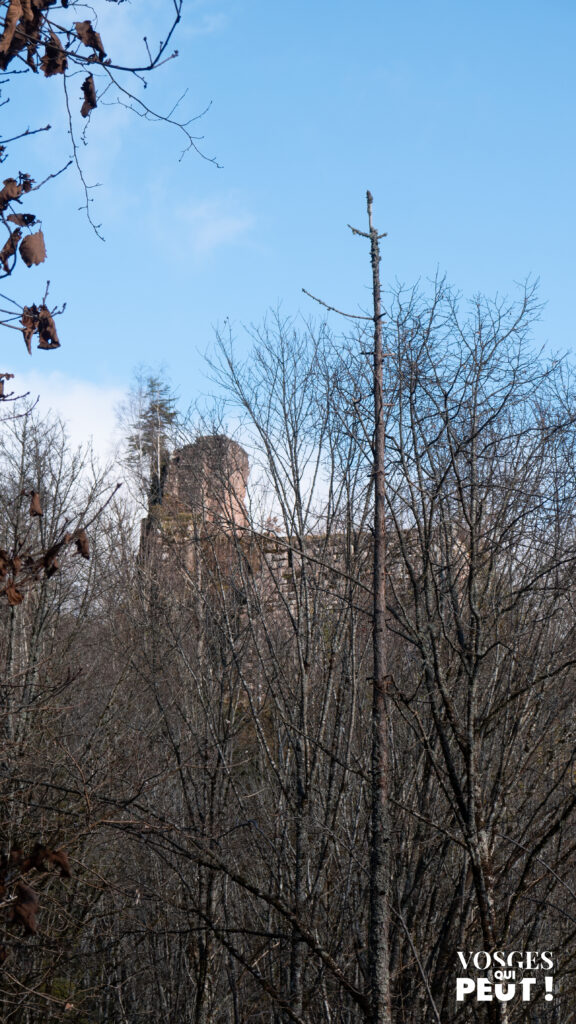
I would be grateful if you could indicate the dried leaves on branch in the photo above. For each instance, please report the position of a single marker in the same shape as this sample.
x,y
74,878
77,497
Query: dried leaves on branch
x,y
30,562
34,39
14,866
89,90
26,567
50,501
39,320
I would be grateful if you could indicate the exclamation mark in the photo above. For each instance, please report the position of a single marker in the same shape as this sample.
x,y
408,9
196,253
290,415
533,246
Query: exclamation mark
x,y
548,983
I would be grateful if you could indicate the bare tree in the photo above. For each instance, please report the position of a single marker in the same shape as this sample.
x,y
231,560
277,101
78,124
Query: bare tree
x,y
44,786
217,774
481,492
480,464
255,697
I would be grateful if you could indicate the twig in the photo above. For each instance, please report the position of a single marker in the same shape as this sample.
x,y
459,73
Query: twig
x,y
423,974
95,227
351,316
29,131
50,176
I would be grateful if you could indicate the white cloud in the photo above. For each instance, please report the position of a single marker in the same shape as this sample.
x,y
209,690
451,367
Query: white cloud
x,y
215,223
207,25
87,409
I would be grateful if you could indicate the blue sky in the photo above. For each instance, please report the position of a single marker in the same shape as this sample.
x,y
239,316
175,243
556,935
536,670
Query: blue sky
x,y
458,116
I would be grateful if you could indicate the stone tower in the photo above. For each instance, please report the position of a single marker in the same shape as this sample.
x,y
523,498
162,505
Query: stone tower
x,y
205,486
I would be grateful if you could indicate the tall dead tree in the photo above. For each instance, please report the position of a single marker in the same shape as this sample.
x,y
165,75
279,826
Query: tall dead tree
x,y
380,889
378,938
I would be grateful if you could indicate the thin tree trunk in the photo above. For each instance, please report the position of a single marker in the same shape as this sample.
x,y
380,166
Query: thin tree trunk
x,y
380,893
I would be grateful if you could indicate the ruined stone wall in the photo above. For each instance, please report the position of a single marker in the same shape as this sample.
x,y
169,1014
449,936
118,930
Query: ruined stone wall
x,y
202,518
203,500
207,479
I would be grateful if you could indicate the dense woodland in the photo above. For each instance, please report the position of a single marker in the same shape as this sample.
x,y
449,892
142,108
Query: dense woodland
x,y
189,719
186,766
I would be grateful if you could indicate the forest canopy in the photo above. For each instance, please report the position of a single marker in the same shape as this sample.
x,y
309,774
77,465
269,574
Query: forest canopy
x,y
186,717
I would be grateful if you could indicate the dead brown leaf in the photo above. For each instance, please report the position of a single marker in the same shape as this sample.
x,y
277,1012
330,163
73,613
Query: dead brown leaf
x,y
60,859
26,907
49,559
11,190
82,543
33,249
87,35
20,39
42,854
29,321
13,15
13,595
89,91
55,59
35,506
3,378
23,220
9,248
47,329
33,22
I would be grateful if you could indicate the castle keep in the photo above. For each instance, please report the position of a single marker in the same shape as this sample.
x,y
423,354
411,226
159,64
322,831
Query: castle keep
x,y
206,481
202,518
